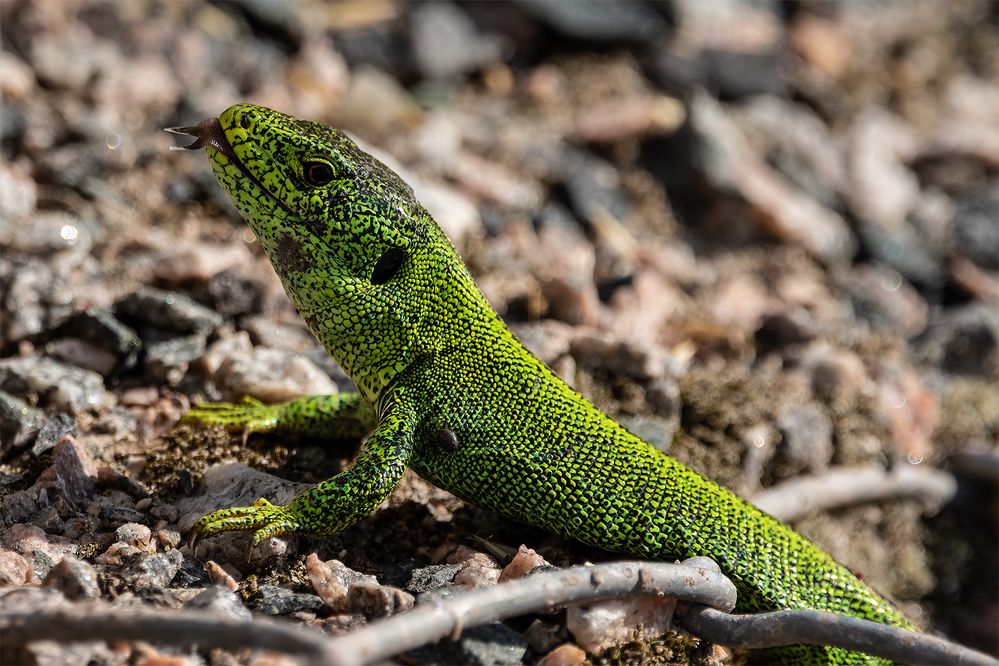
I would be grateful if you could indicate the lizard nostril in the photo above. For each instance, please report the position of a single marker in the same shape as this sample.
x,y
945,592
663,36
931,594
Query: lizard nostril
x,y
244,122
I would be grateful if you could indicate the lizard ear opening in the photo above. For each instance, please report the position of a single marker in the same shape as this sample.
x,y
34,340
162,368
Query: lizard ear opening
x,y
388,265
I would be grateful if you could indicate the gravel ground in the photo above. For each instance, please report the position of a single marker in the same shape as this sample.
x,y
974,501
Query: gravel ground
x,y
763,236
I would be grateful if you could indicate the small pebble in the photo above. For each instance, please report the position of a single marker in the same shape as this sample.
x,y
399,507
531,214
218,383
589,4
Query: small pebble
x,y
274,600
153,572
602,625
332,580
74,578
374,600
525,561
14,569
64,387
138,536
222,601
220,576
271,375
564,655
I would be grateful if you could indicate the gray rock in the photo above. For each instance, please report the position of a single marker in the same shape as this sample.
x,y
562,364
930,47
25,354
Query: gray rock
x,y
806,433
656,431
168,361
56,384
55,428
167,309
83,354
71,473
599,20
543,635
153,571
19,423
374,600
964,341
191,574
599,350
904,249
271,375
136,535
37,297
758,199
102,329
293,337
779,330
735,74
884,299
18,192
49,233
446,42
274,600
433,577
113,514
233,295
74,578
488,645
222,601
976,228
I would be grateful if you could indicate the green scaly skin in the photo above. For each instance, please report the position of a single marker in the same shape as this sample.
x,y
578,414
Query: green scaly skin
x,y
428,354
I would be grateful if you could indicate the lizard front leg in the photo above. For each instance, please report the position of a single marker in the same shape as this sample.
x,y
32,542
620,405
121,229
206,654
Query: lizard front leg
x,y
336,503
338,416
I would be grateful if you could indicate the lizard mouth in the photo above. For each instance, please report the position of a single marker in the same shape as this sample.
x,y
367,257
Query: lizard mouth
x,y
210,133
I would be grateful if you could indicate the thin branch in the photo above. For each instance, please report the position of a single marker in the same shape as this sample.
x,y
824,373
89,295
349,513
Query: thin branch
x,y
697,581
88,622
431,622
980,463
793,500
424,624
791,627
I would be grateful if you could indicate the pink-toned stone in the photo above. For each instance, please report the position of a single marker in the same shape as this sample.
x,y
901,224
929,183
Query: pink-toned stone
x,y
14,569
564,655
597,627
525,561
219,576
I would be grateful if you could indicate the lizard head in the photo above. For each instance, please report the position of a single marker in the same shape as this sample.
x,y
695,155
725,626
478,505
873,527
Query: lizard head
x,y
361,259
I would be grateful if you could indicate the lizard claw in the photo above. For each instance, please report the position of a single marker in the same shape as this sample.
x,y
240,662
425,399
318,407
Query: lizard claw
x,y
193,541
264,518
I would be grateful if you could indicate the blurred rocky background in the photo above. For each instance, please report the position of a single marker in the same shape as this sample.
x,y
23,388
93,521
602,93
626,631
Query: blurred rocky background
x,y
764,236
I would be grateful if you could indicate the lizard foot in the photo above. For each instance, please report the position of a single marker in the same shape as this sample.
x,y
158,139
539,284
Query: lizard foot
x,y
264,518
250,415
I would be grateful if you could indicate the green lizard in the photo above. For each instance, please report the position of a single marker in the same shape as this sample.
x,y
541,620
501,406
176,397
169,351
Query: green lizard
x,y
447,390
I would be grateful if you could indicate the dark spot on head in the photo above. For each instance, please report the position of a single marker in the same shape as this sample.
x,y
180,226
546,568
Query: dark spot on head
x,y
291,255
448,439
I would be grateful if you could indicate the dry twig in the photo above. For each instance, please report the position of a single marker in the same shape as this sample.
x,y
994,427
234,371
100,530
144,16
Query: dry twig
x,y
431,622
796,499
697,581
82,622
791,627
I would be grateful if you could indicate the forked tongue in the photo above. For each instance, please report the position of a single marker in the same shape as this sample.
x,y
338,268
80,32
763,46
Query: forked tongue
x,y
206,133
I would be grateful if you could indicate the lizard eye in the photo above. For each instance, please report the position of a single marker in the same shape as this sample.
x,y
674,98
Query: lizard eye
x,y
317,173
388,265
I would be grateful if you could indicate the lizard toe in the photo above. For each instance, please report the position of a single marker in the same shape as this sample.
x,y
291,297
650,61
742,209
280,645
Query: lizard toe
x,y
264,518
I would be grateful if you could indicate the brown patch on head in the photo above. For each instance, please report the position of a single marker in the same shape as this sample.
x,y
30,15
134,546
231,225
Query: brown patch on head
x,y
290,256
